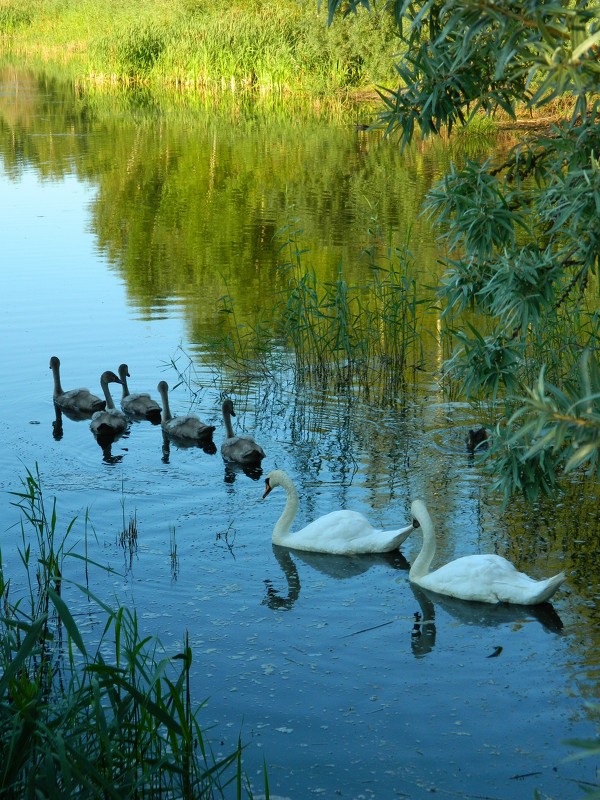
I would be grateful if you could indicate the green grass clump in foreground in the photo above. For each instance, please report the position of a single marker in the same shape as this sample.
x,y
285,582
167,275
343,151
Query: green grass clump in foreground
x,y
257,44
115,722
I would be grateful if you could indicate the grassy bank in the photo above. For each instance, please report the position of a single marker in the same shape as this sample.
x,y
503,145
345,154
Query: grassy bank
x,y
196,44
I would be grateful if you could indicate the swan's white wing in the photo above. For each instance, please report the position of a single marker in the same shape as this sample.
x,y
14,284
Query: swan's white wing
x,y
346,533
487,579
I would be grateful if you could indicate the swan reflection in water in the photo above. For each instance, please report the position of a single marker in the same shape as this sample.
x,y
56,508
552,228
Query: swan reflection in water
x,y
207,445
74,415
57,424
232,470
105,442
482,615
333,566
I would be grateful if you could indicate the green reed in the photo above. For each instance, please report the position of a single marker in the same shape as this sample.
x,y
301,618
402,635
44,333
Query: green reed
x,y
239,45
115,720
368,337
368,334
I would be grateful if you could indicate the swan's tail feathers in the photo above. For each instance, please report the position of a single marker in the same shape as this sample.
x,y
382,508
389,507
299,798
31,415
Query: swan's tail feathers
x,y
550,586
206,432
403,534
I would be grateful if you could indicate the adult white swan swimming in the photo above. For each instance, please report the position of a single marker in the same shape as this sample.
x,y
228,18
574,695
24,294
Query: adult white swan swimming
x,y
482,578
339,532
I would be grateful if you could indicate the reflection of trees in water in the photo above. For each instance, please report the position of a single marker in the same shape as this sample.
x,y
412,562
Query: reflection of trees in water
x,y
337,437
188,204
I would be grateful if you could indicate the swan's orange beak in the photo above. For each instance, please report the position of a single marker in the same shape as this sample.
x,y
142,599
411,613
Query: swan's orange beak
x,y
268,488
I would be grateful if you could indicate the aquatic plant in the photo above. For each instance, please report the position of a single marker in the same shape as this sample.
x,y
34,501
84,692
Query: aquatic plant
x,y
365,334
114,718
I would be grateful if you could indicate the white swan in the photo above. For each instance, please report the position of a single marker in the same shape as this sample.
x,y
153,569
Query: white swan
x,y
77,401
242,449
139,406
189,428
339,532
482,578
111,421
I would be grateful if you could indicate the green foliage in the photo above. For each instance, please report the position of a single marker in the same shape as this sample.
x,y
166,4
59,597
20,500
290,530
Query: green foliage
x,y
339,334
554,429
12,18
243,45
134,49
112,719
521,231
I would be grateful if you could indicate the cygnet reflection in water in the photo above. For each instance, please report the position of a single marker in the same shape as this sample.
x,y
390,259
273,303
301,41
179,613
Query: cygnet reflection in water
x,y
206,445
232,470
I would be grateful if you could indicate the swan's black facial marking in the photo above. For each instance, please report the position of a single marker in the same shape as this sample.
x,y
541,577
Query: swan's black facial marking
x,y
268,488
415,523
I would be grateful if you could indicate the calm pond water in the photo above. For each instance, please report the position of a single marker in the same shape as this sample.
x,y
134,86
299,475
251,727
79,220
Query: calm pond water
x,y
123,226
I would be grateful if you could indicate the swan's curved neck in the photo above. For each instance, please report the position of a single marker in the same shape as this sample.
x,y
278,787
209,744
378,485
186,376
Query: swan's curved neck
x,y
284,523
56,375
228,425
107,394
423,561
124,382
166,414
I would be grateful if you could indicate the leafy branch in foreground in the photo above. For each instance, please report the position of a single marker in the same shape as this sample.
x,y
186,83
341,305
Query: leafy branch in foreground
x,y
553,429
520,230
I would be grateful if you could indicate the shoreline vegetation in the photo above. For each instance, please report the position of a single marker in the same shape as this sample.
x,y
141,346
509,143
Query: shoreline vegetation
x,y
250,48
196,45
